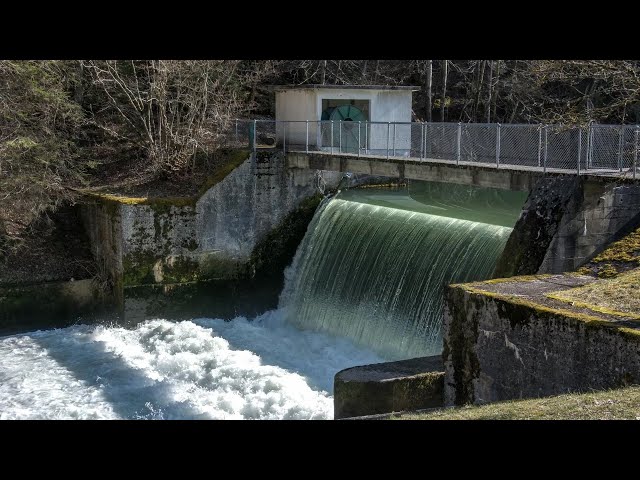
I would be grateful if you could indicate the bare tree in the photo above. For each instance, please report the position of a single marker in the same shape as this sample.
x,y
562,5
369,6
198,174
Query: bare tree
x,y
428,81
487,107
445,72
173,108
39,162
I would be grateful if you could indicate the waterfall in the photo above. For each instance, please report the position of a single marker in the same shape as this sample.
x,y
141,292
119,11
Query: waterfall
x,y
373,264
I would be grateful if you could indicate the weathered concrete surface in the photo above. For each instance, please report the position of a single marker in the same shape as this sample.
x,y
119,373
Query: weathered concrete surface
x,y
387,387
103,225
502,341
537,226
210,239
429,170
46,304
593,219
566,221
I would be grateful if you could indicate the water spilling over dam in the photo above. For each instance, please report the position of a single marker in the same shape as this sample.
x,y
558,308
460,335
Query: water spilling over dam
x,y
373,263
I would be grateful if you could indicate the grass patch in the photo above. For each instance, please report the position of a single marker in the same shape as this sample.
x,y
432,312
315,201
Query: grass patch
x,y
618,257
619,404
617,296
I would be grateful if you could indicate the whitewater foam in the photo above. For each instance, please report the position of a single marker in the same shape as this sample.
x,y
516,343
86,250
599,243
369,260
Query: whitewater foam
x,y
205,368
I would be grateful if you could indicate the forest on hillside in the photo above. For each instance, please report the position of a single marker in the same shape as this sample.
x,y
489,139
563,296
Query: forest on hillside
x,y
68,125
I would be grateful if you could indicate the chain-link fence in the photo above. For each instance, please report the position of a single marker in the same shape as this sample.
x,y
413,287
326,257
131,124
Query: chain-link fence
x,y
594,148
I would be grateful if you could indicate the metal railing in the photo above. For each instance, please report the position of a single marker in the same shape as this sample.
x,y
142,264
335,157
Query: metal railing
x,y
594,148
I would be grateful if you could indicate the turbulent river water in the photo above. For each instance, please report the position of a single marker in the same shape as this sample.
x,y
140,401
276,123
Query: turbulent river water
x,y
365,287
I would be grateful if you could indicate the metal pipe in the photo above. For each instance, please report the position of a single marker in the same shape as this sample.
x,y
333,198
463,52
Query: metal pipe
x,y
340,136
458,143
284,137
359,123
498,146
422,140
306,146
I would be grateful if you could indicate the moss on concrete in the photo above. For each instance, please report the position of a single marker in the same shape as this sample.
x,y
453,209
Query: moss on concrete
x,y
270,257
232,159
619,257
614,296
616,404
520,311
389,387
137,268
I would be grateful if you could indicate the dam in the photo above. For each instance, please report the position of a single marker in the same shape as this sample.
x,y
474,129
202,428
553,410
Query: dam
x,y
365,286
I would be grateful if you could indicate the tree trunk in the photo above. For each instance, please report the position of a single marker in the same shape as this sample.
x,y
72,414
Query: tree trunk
x,y
487,107
495,91
428,87
478,90
324,72
444,89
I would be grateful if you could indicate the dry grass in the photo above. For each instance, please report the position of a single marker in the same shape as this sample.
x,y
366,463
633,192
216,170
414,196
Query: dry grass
x,y
619,295
616,258
621,404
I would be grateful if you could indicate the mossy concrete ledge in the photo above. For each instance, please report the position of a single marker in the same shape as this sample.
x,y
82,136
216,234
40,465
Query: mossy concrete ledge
x,y
503,341
214,235
389,387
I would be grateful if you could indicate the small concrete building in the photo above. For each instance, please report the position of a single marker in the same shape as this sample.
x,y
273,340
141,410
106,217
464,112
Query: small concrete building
x,y
344,117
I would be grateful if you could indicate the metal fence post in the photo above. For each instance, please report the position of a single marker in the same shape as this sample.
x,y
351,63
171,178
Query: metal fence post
x,y
458,143
539,143
498,146
332,136
394,139
422,140
388,139
589,146
620,142
359,124
255,127
339,136
635,152
544,170
579,148
306,146
366,136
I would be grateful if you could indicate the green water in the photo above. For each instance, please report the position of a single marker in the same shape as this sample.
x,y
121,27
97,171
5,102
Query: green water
x,y
373,263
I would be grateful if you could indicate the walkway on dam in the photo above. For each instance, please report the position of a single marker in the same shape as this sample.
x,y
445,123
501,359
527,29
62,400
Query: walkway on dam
x,y
610,172
602,150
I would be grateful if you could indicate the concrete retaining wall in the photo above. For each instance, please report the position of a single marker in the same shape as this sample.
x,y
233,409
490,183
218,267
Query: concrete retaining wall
x,y
175,241
496,349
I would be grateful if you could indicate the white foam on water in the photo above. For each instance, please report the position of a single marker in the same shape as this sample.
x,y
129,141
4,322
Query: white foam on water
x,y
206,368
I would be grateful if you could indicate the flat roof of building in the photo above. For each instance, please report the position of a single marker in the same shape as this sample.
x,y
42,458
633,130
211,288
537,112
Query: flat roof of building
x,y
345,87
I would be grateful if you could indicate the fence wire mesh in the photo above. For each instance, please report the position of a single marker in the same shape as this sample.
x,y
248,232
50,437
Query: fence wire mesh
x,y
593,148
